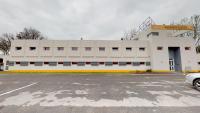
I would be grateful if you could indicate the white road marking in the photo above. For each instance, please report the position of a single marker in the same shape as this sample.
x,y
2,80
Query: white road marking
x,y
18,89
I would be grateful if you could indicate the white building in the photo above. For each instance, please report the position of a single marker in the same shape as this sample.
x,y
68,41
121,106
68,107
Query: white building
x,y
159,49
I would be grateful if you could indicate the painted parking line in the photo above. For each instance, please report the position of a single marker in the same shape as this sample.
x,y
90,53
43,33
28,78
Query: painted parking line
x,y
18,89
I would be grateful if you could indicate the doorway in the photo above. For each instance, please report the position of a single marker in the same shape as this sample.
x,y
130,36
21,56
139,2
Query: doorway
x,y
1,64
175,59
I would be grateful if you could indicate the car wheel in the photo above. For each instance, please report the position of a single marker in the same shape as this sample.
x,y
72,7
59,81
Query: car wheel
x,y
197,84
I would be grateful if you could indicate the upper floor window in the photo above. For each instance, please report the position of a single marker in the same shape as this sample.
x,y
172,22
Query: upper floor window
x,y
159,48
102,49
128,49
142,63
18,48
187,48
142,48
32,48
46,48
60,48
115,48
88,48
74,48
155,33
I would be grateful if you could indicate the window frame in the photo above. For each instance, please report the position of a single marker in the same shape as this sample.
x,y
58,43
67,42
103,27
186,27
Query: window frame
x,y
115,49
46,48
187,48
74,48
142,48
88,48
159,48
129,49
60,48
102,49
18,48
32,48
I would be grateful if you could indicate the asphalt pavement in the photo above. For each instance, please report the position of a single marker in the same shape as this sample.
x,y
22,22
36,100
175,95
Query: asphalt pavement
x,y
97,93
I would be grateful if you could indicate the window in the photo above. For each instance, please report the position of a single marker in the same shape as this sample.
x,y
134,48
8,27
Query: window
x,y
60,48
32,48
46,63
115,63
46,48
10,63
148,63
115,48
18,48
142,49
23,63
66,63
142,63
122,63
32,62
17,62
155,33
159,48
60,62
74,48
52,63
74,63
38,63
128,49
187,48
101,63
102,49
199,63
80,63
108,63
136,63
88,48
94,63
88,63
128,63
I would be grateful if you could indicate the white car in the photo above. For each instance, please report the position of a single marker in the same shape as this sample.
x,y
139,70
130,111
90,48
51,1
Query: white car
x,y
194,80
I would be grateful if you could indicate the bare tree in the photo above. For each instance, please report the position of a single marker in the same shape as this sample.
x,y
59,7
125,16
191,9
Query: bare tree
x,y
30,34
130,35
195,22
5,42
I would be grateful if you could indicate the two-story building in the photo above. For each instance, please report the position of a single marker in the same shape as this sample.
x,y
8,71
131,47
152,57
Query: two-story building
x,y
161,48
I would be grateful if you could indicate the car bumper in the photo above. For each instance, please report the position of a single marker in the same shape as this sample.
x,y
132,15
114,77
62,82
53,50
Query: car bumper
x,y
189,80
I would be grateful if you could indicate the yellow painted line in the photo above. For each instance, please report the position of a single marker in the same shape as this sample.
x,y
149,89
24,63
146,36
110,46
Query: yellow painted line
x,y
161,71
91,71
76,71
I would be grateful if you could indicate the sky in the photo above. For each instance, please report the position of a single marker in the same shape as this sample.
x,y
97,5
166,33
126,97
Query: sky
x,y
89,19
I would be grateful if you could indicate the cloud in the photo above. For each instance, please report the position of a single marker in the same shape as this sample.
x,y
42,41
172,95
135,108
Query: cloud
x,y
90,19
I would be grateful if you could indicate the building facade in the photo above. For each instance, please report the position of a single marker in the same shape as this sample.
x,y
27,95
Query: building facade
x,y
159,49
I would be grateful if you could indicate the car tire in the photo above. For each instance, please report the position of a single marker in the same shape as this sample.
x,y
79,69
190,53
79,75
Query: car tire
x,y
197,84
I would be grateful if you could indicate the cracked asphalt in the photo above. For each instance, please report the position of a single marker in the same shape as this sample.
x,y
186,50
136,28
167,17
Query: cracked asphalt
x,y
97,93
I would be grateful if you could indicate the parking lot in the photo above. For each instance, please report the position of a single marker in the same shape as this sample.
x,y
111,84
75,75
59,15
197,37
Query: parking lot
x,y
97,93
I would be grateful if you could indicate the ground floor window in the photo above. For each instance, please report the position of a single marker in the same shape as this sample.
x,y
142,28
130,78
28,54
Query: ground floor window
x,y
64,63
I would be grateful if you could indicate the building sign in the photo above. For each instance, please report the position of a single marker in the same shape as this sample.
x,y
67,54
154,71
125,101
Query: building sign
x,y
172,27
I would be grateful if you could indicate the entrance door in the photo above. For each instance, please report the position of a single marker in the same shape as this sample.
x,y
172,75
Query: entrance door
x,y
171,65
175,59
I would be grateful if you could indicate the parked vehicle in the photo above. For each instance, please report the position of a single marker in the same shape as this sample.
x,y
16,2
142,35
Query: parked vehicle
x,y
194,80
